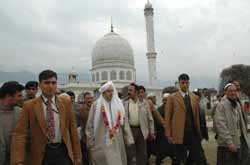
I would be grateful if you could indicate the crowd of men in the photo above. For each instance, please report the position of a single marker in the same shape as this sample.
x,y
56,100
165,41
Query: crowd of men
x,y
52,129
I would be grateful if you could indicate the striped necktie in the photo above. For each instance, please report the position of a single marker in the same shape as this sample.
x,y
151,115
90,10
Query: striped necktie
x,y
50,121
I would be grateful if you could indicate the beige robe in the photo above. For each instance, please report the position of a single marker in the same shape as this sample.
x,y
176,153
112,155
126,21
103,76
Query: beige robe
x,y
100,152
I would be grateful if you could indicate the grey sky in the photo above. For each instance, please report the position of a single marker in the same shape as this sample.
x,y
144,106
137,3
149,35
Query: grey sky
x,y
199,37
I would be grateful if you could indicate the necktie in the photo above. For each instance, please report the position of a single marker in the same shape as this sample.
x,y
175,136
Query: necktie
x,y
186,97
50,121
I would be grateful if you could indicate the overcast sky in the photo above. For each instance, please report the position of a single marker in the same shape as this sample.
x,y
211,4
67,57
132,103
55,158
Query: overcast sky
x,y
199,37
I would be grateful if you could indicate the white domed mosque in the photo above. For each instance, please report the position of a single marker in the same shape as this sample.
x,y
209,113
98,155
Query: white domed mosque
x,y
113,59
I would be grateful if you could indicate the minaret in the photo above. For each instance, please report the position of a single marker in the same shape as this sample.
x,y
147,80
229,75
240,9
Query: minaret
x,y
111,25
151,54
72,77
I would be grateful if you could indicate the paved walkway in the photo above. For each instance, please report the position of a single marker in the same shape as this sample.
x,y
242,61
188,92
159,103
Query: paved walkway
x,y
210,148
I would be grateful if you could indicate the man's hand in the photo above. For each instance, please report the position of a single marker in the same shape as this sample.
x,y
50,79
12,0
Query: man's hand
x,y
232,148
151,137
170,140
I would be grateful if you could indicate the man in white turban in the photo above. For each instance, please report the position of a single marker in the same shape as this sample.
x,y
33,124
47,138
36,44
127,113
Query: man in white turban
x,y
107,129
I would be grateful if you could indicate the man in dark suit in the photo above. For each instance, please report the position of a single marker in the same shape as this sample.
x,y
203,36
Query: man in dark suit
x,y
163,148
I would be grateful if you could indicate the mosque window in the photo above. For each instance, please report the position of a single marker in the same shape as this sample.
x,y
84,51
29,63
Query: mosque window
x,y
104,75
121,75
93,77
97,76
113,75
129,75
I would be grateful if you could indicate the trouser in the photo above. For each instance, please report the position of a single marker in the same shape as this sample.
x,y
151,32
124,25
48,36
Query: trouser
x,y
190,152
85,154
150,149
241,157
137,150
56,154
163,148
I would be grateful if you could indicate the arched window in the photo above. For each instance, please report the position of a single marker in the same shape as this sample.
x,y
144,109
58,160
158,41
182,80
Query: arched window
x,y
129,75
97,76
121,75
104,75
93,77
113,75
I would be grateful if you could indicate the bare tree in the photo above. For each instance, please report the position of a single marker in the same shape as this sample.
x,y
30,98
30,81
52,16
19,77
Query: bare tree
x,y
239,72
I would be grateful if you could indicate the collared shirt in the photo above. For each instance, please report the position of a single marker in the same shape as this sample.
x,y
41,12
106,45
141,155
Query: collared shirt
x,y
58,135
134,113
7,121
183,94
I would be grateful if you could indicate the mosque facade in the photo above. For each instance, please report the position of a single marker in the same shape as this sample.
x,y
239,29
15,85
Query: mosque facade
x,y
113,60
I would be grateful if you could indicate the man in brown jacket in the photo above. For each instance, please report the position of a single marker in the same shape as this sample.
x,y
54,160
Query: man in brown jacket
x,y
182,124
49,124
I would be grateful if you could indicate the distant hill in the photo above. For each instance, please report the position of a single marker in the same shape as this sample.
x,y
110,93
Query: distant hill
x,y
24,76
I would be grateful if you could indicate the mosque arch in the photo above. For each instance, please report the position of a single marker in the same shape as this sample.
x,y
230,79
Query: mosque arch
x,y
121,75
129,75
97,76
104,75
113,75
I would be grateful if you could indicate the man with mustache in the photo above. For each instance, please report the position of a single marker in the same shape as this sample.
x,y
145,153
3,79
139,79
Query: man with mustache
x,y
47,127
141,124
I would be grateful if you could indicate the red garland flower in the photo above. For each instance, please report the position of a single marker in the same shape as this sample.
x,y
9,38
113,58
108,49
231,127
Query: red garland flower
x,y
112,131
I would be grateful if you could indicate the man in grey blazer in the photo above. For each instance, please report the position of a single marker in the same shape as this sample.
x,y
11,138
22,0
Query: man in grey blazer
x,y
231,128
10,96
141,124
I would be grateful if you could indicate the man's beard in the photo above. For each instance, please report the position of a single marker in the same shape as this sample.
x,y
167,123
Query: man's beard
x,y
233,102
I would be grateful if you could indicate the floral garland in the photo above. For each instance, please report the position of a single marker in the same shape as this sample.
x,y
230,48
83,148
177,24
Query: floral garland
x,y
113,130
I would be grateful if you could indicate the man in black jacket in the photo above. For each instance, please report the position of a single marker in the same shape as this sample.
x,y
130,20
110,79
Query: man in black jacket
x,y
163,148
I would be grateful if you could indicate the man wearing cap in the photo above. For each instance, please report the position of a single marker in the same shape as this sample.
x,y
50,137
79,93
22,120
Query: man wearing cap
x,y
107,129
47,127
10,96
163,148
158,119
231,128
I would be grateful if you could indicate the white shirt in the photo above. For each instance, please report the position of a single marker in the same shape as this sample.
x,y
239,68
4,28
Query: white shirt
x,y
183,93
134,113
58,135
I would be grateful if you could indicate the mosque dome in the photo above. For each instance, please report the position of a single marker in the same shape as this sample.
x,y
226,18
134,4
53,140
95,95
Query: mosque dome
x,y
112,48
112,59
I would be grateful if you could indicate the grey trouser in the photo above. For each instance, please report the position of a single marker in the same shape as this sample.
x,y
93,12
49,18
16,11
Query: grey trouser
x,y
137,150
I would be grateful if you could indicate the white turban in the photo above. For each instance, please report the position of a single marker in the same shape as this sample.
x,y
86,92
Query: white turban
x,y
111,108
228,85
151,95
106,86
165,95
